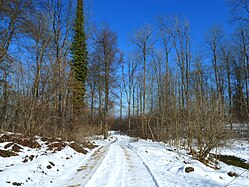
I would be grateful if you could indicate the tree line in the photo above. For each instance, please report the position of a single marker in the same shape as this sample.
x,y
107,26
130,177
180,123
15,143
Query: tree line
x,y
198,98
42,73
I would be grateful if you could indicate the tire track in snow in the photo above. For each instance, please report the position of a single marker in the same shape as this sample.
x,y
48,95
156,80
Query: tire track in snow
x,y
111,170
146,166
136,173
86,168
94,162
119,166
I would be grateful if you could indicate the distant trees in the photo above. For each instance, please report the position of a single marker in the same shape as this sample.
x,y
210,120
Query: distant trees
x,y
214,42
142,40
187,96
102,78
240,74
240,16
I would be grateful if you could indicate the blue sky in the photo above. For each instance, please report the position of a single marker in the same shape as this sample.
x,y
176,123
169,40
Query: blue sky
x,y
125,16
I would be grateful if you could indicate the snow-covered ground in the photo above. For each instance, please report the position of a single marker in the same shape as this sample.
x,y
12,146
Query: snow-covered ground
x,y
120,161
43,166
168,167
238,148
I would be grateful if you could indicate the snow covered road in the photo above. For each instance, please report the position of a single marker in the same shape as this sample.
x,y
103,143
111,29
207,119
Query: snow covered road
x,y
112,165
120,161
128,162
122,167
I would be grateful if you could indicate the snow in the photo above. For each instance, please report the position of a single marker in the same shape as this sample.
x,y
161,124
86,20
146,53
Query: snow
x,y
38,172
120,161
121,167
169,168
238,148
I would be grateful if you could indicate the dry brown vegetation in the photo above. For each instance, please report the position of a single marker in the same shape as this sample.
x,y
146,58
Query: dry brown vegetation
x,y
16,142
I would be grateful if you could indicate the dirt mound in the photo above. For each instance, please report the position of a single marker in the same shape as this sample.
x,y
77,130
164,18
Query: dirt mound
x,y
21,140
56,146
16,142
77,147
89,145
7,153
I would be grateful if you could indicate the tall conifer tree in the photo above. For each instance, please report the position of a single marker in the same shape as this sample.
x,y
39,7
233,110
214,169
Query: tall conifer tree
x,y
79,58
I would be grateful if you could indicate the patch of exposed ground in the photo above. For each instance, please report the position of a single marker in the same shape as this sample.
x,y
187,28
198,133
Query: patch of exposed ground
x,y
15,143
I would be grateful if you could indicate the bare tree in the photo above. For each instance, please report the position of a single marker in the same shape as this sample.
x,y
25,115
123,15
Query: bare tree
x,y
106,56
61,25
239,10
14,21
214,42
129,87
142,39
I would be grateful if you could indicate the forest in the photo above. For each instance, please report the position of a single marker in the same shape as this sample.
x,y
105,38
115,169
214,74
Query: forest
x,y
62,75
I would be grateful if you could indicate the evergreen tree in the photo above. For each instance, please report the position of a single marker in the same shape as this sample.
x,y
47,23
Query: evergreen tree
x,y
79,58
